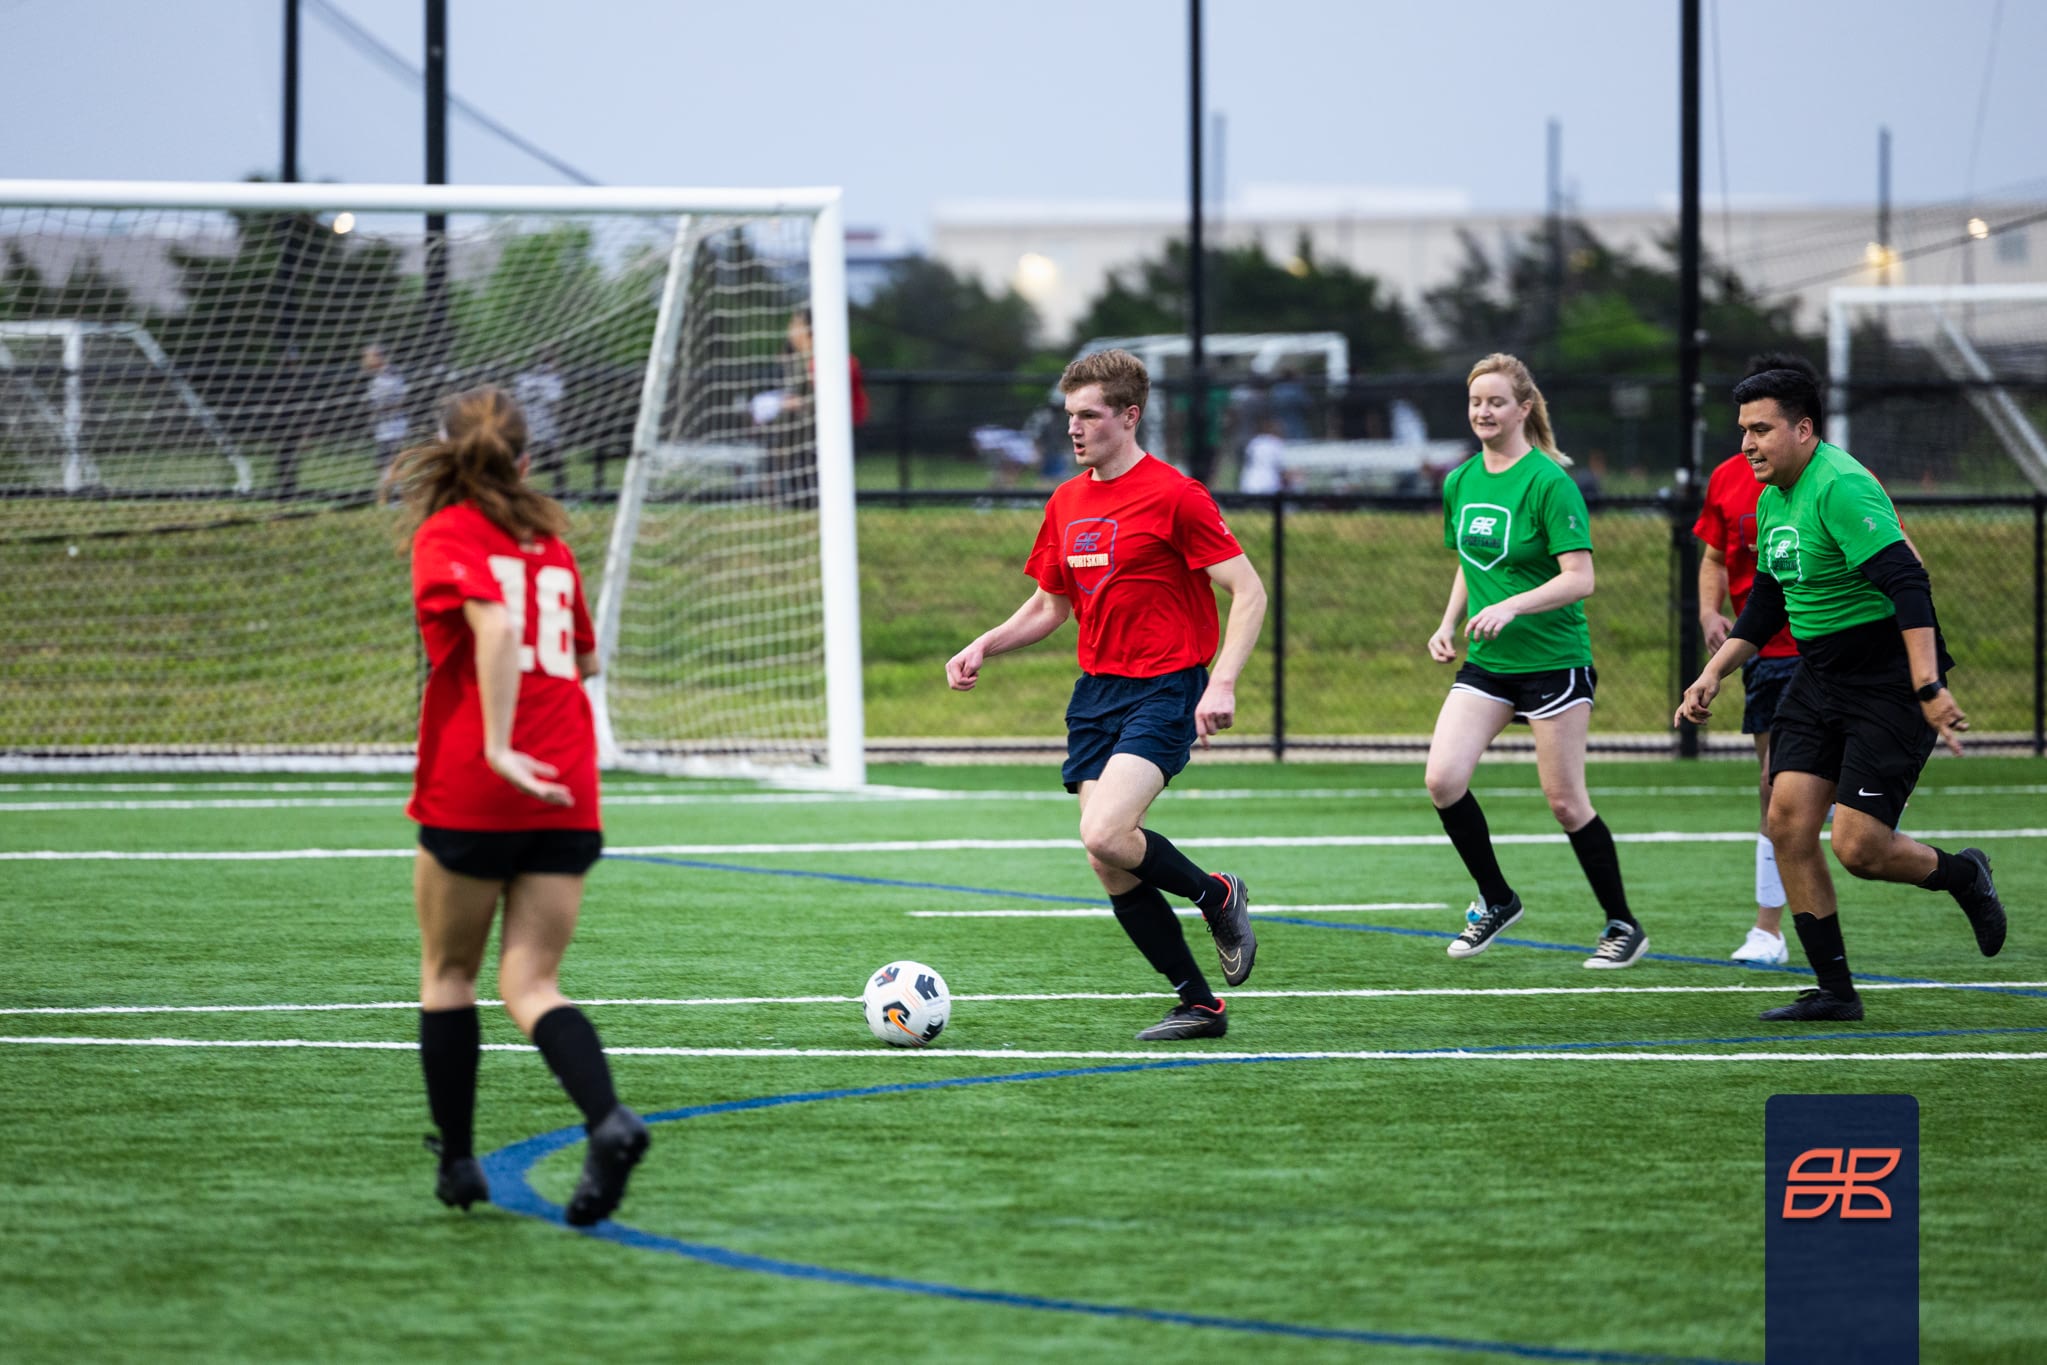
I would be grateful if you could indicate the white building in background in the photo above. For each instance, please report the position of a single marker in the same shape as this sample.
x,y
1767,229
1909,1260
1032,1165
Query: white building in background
x,y
1059,255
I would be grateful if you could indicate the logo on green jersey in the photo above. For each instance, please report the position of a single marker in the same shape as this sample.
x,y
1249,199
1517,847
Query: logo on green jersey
x,y
1780,554
1484,530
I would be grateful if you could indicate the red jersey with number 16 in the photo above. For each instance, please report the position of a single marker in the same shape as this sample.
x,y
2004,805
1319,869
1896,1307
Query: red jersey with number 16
x,y
1727,522
1128,553
460,555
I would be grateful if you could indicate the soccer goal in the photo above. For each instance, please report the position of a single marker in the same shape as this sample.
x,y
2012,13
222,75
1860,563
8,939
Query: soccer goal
x,y
201,385
1948,382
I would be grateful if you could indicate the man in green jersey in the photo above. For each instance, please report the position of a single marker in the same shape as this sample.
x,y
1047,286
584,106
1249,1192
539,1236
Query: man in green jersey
x,y
1870,697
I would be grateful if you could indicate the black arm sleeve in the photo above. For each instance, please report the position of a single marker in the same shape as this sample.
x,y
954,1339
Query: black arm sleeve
x,y
1763,615
1897,572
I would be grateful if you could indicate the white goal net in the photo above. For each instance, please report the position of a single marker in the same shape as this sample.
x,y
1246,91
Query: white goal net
x,y
200,386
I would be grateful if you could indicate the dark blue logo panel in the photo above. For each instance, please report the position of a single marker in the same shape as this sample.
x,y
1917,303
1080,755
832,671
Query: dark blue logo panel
x,y
1841,1229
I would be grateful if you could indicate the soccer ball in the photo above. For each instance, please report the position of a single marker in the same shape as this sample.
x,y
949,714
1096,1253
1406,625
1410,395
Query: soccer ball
x,y
907,1004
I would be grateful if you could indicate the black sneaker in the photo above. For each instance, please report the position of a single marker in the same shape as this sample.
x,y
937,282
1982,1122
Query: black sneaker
x,y
1236,944
1622,945
1981,905
1482,924
1188,1021
616,1146
1815,1004
460,1181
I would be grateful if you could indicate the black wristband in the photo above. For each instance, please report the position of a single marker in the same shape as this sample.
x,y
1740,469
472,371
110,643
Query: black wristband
x,y
1930,691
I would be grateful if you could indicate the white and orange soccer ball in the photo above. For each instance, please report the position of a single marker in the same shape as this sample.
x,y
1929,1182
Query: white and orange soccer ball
x,y
907,1004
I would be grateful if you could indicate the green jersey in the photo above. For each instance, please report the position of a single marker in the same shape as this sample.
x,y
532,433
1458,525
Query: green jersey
x,y
1508,530
1814,536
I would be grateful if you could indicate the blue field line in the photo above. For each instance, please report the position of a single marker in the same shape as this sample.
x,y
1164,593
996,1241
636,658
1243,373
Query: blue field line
x,y
508,1169
848,877
1403,931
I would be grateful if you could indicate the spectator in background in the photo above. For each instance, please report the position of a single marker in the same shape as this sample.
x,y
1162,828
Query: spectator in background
x,y
1292,405
384,400
1262,470
539,390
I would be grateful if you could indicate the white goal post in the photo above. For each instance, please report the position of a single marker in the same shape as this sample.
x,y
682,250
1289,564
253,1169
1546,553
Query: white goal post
x,y
198,525
1956,331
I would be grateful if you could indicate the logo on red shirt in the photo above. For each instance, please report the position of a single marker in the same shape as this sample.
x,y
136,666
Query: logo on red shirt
x,y
1091,551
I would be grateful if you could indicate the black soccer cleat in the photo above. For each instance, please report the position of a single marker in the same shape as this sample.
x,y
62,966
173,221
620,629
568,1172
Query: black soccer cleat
x,y
460,1181
1815,1004
616,1146
1981,905
1236,943
1188,1021
1482,924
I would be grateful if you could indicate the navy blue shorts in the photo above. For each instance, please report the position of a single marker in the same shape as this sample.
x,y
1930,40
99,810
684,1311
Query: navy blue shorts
x,y
1150,717
1763,682
500,855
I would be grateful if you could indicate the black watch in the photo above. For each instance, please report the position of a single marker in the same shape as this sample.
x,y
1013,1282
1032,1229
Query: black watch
x,y
1930,691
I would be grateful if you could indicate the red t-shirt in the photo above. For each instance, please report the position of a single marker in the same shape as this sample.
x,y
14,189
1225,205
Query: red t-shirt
x,y
460,555
1728,523
1128,553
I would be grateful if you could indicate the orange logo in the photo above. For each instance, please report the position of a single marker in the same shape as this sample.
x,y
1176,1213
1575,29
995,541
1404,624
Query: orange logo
x,y
1829,1175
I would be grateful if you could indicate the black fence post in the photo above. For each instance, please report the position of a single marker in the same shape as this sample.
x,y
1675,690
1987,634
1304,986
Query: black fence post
x,y
2039,625
904,389
1278,605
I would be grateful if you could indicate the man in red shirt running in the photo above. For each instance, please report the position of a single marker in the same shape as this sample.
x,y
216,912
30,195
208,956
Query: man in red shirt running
x,y
1129,548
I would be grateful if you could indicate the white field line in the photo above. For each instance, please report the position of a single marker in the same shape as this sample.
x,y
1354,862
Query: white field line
x,y
1019,1054
968,845
373,795
1184,911
1360,993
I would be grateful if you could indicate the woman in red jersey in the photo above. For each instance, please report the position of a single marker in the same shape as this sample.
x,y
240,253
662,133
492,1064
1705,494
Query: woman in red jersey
x,y
506,788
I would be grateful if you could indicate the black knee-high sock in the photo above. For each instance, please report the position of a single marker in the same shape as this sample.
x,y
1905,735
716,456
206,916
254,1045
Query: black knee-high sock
x,y
1821,939
1169,869
1155,929
449,1044
1593,843
1950,873
1465,823
569,1044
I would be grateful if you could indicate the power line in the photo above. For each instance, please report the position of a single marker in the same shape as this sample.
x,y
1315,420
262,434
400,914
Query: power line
x,y
373,47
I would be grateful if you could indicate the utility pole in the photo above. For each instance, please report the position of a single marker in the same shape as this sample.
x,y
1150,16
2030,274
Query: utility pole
x,y
1689,393
1199,457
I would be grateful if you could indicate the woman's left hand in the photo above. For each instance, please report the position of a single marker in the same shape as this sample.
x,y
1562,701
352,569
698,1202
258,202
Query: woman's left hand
x,y
1488,624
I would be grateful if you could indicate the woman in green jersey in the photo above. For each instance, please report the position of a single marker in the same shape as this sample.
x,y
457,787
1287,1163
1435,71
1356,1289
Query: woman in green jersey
x,y
1523,542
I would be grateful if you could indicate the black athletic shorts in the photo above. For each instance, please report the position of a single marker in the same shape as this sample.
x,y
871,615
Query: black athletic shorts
x,y
494,855
1863,732
1150,717
1763,682
1534,696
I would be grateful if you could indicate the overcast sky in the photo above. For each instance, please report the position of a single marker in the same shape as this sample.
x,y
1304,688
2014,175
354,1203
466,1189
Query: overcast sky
x,y
907,103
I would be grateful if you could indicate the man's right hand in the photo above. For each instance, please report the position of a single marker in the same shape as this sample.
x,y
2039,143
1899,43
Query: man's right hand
x,y
963,669
1716,629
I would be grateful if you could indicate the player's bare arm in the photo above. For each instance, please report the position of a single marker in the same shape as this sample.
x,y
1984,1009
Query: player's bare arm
x,y
1217,709
497,683
1443,644
1712,592
1041,614
1573,583
1697,705
1943,716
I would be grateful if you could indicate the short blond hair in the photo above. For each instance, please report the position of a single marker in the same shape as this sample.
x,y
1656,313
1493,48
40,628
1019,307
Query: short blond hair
x,y
1124,380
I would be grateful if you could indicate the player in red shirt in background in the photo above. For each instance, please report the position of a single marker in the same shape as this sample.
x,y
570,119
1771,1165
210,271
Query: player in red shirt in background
x,y
1130,548
505,792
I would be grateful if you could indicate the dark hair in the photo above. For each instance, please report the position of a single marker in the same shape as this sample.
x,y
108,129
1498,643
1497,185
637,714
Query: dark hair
x,y
1789,379
476,459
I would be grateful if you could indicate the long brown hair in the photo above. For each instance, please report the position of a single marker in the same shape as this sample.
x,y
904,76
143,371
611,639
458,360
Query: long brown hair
x,y
1523,383
476,459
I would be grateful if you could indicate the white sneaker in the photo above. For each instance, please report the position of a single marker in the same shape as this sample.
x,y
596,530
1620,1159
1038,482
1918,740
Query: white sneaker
x,y
1763,948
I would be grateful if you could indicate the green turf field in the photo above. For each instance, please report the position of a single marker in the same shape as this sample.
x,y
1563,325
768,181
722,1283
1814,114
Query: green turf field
x,y
1503,1158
